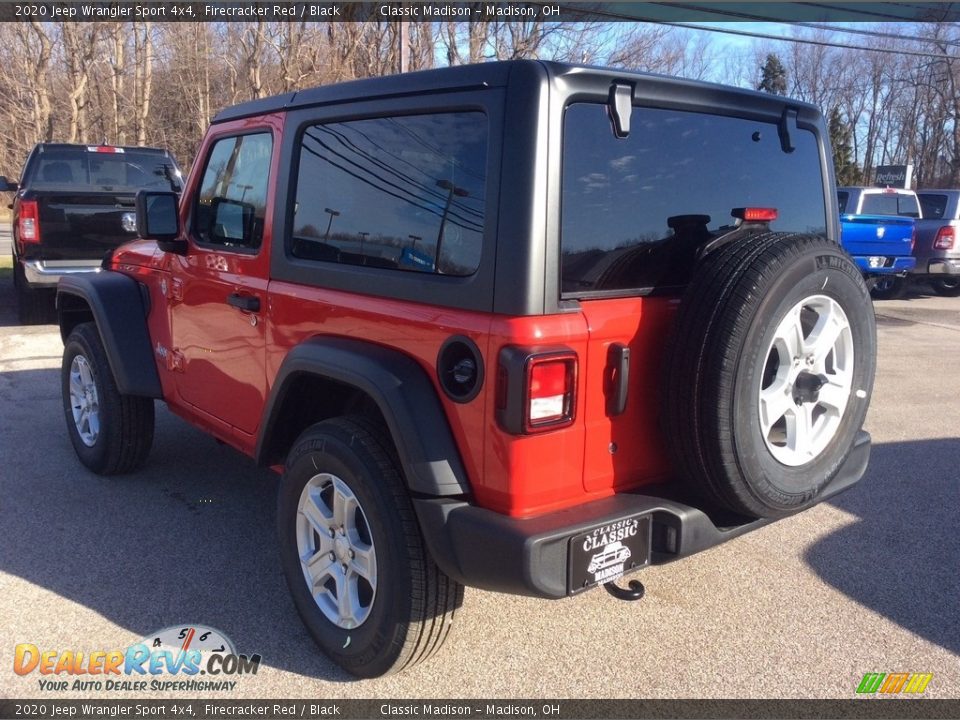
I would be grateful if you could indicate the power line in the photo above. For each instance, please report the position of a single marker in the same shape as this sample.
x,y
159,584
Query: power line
x,y
811,25
767,36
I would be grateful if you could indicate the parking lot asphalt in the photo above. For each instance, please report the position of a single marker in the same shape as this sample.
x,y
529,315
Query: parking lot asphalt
x,y
867,582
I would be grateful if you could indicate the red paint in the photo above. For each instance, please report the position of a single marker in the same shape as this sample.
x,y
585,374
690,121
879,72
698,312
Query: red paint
x,y
217,364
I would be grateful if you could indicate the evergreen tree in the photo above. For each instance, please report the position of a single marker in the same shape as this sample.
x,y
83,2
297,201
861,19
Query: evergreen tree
x,y
773,76
844,164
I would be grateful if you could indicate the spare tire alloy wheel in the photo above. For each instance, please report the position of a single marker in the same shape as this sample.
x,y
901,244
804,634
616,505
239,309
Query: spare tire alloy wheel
x,y
807,380
769,372
336,550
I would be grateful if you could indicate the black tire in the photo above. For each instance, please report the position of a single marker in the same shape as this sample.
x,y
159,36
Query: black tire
x,y
888,288
718,356
125,432
947,287
34,306
412,610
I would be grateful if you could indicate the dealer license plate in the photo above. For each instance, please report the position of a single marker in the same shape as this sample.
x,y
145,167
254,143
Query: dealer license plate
x,y
608,552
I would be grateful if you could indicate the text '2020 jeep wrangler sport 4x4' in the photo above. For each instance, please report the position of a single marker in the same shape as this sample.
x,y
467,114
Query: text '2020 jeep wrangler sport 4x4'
x,y
520,326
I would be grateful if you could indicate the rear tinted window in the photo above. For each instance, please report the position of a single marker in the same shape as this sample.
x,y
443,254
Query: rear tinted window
x,y
79,168
635,210
890,204
842,197
396,192
933,206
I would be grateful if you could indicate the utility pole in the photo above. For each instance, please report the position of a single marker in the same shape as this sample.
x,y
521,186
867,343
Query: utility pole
x,y
451,191
333,214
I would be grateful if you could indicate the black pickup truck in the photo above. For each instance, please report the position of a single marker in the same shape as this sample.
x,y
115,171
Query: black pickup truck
x,y
74,204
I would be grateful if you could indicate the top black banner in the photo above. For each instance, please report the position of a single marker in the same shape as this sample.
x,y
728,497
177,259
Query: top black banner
x,y
429,11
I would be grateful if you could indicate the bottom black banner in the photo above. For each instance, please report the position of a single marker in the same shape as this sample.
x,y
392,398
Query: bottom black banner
x,y
481,709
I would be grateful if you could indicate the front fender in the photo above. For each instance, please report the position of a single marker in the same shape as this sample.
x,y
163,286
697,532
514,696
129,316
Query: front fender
x,y
119,310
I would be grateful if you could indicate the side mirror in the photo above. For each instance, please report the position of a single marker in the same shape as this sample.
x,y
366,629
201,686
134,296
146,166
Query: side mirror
x,y
158,219
8,185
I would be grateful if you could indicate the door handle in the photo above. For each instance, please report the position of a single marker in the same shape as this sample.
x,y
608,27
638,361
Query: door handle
x,y
618,369
247,303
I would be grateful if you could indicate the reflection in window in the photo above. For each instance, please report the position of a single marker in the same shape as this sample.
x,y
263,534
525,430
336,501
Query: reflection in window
x,y
232,203
635,211
400,192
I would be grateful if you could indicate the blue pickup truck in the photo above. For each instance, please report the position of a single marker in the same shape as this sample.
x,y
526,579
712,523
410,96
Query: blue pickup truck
x,y
878,229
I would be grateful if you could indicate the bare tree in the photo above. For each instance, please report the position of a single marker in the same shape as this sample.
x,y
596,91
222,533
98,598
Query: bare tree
x,y
143,76
79,50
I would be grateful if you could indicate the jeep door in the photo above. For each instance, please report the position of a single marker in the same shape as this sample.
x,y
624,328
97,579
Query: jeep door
x,y
219,288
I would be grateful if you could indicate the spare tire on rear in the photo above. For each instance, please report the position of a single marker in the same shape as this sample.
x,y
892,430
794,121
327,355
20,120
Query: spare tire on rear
x,y
769,372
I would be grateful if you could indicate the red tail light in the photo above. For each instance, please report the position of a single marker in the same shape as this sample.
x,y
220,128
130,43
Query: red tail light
x,y
755,214
104,149
946,237
913,239
537,389
550,392
29,223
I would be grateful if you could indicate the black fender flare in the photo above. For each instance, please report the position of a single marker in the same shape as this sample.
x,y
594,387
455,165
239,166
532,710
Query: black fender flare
x,y
120,312
401,390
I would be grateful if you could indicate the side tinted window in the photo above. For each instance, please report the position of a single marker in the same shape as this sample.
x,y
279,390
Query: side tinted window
x,y
636,210
933,206
842,197
402,192
232,203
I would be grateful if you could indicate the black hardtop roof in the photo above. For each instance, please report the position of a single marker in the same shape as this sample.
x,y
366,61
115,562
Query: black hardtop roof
x,y
43,147
463,77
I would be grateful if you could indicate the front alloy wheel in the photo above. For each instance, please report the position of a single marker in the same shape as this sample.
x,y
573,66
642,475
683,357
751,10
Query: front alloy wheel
x,y
84,401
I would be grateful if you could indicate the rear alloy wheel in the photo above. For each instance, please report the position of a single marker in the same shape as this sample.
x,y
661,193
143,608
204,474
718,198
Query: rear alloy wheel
x,y
337,555
769,372
888,287
351,550
948,287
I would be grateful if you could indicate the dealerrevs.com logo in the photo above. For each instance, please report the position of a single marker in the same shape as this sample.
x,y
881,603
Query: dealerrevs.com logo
x,y
200,658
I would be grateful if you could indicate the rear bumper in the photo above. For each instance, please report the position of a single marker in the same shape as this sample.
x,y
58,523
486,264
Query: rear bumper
x,y
49,272
484,549
892,265
944,266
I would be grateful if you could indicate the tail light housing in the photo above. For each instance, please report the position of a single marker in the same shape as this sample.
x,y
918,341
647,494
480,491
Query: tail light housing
x,y
28,223
537,389
946,238
913,239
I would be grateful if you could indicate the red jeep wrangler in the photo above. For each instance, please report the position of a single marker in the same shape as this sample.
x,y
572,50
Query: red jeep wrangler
x,y
520,326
